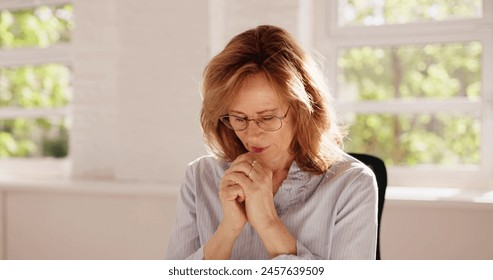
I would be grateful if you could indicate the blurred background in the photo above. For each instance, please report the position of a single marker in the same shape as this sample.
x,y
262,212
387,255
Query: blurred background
x,y
100,101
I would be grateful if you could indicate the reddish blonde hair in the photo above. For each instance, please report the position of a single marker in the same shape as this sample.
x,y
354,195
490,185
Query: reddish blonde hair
x,y
294,75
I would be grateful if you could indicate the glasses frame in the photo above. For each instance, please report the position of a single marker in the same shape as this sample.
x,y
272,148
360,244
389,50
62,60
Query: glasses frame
x,y
225,121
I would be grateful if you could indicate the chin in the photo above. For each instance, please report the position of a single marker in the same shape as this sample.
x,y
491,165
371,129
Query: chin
x,y
267,156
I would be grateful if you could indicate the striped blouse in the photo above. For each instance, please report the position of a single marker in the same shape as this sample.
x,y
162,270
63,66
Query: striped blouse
x,y
332,216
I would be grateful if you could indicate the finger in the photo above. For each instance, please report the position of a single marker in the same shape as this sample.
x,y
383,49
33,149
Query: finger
x,y
240,179
235,178
260,170
228,181
234,192
251,173
250,158
254,171
245,157
241,198
241,167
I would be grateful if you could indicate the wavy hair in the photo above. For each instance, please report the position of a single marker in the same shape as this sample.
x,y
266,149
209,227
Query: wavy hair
x,y
294,75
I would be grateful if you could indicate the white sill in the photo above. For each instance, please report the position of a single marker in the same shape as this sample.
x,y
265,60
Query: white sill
x,y
109,187
394,193
48,174
439,194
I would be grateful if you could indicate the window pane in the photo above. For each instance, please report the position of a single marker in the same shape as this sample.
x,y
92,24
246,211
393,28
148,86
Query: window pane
x,y
441,139
40,27
408,72
40,86
43,137
380,12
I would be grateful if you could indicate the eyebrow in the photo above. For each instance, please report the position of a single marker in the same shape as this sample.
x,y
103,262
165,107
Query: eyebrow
x,y
258,113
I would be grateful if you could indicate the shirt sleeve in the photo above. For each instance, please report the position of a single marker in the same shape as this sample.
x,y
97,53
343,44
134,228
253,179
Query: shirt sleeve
x,y
355,229
184,242
302,254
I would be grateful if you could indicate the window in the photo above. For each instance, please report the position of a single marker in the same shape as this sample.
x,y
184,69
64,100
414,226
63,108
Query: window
x,y
413,83
35,85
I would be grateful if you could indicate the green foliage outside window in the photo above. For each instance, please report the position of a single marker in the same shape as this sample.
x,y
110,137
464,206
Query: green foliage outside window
x,y
39,27
35,86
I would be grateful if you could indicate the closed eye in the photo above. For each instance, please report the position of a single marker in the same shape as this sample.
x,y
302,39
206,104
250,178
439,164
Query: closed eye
x,y
267,118
237,119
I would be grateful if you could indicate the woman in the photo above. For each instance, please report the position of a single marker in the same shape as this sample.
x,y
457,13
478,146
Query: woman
x,y
278,186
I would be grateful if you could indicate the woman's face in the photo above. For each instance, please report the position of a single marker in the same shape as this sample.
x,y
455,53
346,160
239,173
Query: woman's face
x,y
256,98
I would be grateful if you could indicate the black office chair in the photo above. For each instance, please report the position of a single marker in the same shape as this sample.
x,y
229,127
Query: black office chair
x,y
378,167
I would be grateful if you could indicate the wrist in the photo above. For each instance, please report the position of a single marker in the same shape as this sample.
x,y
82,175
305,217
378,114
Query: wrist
x,y
268,226
229,232
277,239
220,245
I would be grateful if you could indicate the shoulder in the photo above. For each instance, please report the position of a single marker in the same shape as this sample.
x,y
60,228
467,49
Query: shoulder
x,y
206,168
351,168
351,175
207,163
352,182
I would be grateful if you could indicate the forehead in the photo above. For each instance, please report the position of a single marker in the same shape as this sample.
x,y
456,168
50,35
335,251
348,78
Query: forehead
x,y
256,93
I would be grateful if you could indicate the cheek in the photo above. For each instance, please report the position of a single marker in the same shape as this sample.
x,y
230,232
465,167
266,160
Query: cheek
x,y
289,136
289,131
286,137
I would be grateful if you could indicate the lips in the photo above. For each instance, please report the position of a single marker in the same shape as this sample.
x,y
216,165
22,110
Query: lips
x,y
258,150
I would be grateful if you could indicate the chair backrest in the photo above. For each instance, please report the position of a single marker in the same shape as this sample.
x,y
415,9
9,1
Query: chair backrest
x,y
378,167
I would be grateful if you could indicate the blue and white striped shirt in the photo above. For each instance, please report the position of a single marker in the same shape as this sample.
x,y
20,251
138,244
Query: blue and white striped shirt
x,y
332,216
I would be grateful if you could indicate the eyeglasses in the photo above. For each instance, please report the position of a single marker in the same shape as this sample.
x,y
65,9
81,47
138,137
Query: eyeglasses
x,y
269,123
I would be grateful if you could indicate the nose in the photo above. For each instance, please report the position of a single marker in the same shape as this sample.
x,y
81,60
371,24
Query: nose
x,y
253,130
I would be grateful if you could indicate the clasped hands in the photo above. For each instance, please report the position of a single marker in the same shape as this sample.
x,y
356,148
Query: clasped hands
x,y
246,195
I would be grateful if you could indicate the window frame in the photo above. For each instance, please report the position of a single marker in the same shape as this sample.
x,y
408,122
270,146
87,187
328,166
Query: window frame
x,y
39,168
453,31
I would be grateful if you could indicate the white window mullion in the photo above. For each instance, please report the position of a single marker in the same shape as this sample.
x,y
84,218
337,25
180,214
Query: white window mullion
x,y
23,56
412,29
23,4
12,113
488,11
332,11
450,106
487,95
379,39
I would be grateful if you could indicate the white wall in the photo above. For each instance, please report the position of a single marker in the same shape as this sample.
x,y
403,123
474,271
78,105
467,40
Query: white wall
x,y
136,102
431,230
85,221
229,18
89,227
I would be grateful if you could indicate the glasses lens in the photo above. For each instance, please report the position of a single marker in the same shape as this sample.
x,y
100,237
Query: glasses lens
x,y
225,121
234,123
270,123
